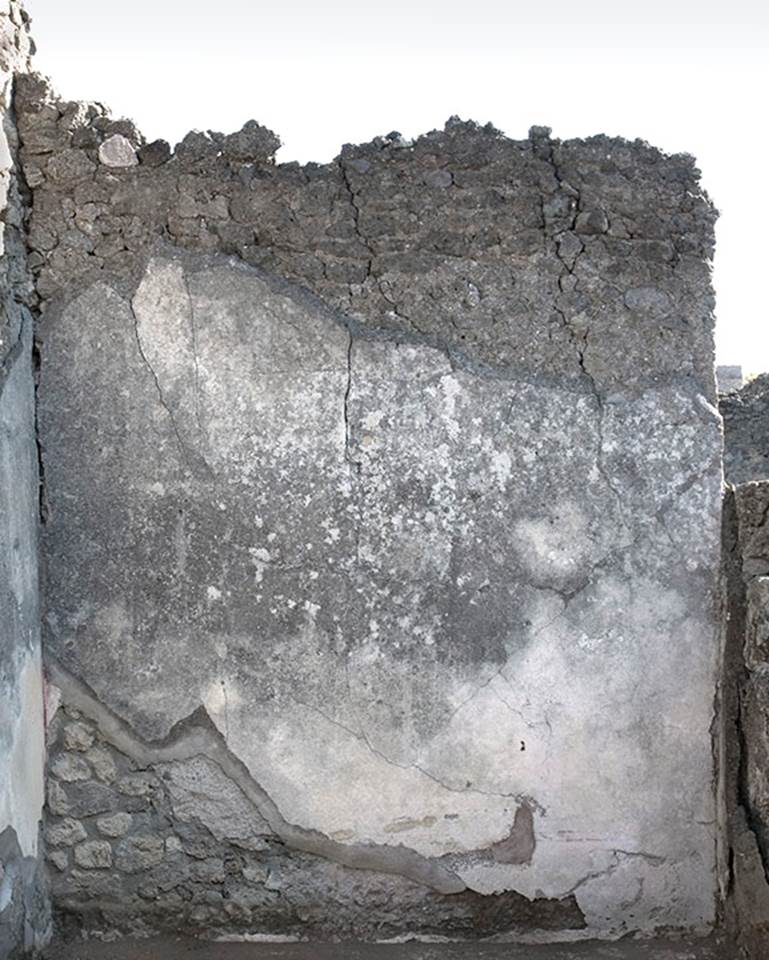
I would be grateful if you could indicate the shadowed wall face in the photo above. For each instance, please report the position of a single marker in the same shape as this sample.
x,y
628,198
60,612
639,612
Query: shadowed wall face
x,y
432,542
24,908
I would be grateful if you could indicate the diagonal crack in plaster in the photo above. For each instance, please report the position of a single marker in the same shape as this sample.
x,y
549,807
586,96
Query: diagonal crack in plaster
x,y
360,735
198,736
161,396
195,361
198,461
355,465
618,857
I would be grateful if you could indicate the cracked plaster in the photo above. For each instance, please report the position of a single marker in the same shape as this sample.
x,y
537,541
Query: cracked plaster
x,y
454,635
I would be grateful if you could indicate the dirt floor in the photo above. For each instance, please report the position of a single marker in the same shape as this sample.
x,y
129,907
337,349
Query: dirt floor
x,y
172,949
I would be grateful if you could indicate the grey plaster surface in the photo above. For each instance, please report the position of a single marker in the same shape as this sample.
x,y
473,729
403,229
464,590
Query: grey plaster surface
x,y
368,557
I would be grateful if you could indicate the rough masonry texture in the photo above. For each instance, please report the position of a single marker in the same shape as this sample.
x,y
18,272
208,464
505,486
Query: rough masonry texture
x,y
745,715
24,909
746,439
382,518
745,683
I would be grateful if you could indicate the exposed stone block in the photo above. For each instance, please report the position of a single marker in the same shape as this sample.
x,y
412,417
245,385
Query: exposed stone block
x,y
114,825
94,855
65,833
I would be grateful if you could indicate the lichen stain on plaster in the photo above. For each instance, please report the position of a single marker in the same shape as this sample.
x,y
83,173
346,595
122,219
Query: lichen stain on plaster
x,y
557,544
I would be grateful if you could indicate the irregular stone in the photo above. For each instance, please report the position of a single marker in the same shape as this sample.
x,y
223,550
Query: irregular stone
x,y
118,151
140,852
757,626
196,147
155,153
752,503
201,792
755,731
591,222
86,138
569,248
122,127
729,378
209,871
102,764
69,767
648,300
256,873
174,845
97,885
69,166
253,143
57,800
94,855
746,431
59,858
65,833
137,784
439,178
115,825
85,799
77,736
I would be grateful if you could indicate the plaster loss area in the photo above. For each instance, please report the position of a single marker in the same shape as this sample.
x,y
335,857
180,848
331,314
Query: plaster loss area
x,y
358,634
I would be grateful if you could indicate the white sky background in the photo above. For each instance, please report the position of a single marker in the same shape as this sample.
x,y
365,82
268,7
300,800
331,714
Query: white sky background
x,y
686,75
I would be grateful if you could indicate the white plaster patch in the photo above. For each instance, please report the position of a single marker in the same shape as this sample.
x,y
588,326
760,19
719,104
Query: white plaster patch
x,y
556,544
21,768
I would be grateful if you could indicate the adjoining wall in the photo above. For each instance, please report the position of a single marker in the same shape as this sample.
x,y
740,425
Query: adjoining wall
x,y
746,437
745,753
381,554
745,686
24,908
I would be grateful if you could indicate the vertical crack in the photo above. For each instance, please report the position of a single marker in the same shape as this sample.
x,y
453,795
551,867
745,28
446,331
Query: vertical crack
x,y
159,389
356,218
43,505
355,464
568,282
195,362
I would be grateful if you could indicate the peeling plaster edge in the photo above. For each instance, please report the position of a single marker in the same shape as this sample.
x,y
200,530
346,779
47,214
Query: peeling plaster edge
x,y
198,736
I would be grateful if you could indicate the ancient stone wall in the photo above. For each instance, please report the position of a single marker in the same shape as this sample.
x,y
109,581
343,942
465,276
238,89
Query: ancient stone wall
x,y
746,438
24,911
745,714
381,509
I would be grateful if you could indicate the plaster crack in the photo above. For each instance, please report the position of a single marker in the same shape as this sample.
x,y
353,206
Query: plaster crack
x,y
195,361
353,463
161,396
361,736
